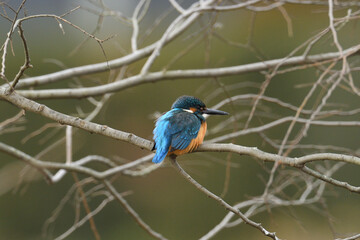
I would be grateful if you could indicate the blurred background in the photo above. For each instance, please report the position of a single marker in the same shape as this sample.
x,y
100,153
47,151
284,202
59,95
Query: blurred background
x,y
168,203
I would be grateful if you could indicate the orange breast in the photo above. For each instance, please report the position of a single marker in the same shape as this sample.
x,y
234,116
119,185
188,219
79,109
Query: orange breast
x,y
194,143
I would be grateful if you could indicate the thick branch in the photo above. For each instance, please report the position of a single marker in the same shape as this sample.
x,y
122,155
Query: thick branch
x,y
47,112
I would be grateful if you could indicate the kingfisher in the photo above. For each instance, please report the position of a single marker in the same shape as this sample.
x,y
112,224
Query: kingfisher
x,y
182,129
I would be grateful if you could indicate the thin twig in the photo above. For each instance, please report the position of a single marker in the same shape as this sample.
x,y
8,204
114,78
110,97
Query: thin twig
x,y
26,64
131,211
221,201
69,154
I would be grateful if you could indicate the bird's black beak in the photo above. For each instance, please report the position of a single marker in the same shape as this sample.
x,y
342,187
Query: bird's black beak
x,y
214,112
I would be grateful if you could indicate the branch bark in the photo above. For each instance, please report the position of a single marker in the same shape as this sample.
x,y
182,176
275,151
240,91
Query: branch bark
x,y
161,76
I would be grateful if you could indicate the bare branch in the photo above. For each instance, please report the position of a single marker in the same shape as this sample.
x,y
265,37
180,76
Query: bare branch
x,y
8,39
159,76
45,111
177,6
221,201
356,236
135,24
11,120
131,211
27,63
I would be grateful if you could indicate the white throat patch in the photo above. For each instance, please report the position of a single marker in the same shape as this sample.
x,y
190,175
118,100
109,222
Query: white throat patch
x,y
188,110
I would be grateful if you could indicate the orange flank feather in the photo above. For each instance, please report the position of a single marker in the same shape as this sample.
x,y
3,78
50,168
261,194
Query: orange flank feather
x,y
194,144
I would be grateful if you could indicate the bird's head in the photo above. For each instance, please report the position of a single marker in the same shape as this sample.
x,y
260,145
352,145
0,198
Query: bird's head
x,y
195,105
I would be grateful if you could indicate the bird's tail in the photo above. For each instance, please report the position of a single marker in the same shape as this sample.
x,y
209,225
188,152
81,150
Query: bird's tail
x,y
162,139
160,155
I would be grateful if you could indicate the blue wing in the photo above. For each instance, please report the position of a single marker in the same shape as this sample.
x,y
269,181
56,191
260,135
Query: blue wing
x,y
185,127
175,128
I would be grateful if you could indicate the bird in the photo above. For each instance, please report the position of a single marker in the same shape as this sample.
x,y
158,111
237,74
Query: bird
x,y
182,129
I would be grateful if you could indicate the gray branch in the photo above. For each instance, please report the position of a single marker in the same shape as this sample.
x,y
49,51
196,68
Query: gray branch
x,y
160,76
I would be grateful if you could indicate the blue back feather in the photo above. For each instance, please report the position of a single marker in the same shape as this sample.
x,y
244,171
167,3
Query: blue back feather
x,y
176,128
